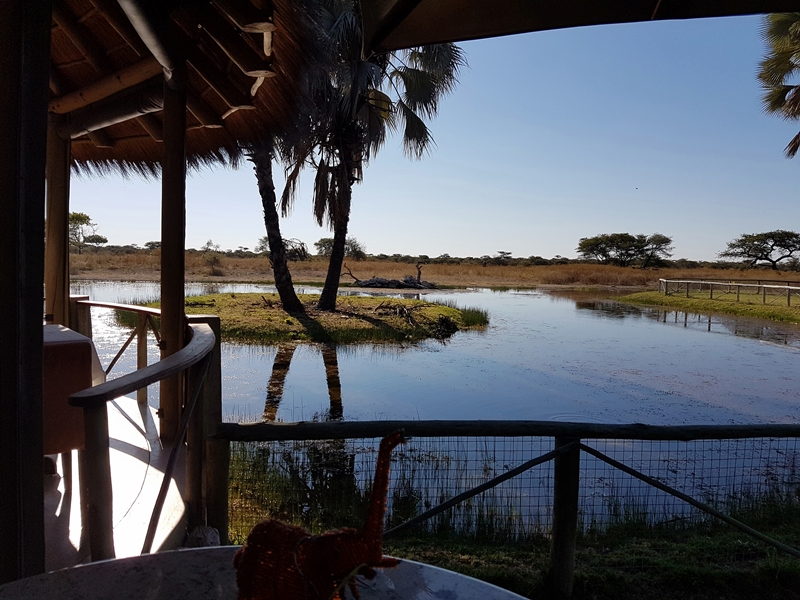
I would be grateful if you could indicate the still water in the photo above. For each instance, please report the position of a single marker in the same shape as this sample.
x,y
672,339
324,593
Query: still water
x,y
570,357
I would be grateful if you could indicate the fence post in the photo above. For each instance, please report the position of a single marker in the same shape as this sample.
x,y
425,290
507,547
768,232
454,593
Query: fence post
x,y
788,296
566,486
687,289
710,291
141,352
763,294
80,316
216,452
737,292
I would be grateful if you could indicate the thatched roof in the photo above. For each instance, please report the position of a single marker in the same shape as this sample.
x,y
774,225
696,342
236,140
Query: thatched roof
x,y
103,75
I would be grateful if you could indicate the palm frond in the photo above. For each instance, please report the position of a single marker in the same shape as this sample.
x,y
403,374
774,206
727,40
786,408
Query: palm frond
x,y
774,99
419,90
417,138
793,146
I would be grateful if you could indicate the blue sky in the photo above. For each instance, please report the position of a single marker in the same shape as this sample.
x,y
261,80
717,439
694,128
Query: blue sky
x,y
550,137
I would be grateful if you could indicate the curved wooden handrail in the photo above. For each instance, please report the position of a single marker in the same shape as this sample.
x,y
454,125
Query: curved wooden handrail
x,y
145,310
201,344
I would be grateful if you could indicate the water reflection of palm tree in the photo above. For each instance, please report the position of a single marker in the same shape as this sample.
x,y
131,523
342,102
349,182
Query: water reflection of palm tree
x,y
280,369
331,361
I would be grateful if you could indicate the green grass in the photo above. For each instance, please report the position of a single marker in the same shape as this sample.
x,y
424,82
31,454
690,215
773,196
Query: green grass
x,y
751,307
260,318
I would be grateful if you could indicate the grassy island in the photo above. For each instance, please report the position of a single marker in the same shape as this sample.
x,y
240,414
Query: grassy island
x,y
754,308
261,318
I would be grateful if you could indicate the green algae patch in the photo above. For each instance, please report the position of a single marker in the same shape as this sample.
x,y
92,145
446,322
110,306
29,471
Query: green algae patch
x,y
261,318
789,314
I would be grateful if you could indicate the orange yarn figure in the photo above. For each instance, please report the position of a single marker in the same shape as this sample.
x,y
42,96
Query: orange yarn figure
x,y
285,562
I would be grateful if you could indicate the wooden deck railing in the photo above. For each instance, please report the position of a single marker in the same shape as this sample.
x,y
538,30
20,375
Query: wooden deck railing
x,y
206,465
567,450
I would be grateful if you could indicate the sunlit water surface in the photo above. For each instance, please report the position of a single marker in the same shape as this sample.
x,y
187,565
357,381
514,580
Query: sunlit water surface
x,y
570,357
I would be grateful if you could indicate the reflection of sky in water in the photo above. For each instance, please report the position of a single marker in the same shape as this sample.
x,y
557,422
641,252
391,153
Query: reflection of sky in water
x,y
543,357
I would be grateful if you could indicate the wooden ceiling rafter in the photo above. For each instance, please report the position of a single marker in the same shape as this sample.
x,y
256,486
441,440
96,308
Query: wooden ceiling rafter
x,y
214,77
80,36
202,112
237,49
245,16
117,19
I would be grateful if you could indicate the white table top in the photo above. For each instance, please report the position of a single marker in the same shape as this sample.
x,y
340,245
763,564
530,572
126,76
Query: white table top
x,y
208,574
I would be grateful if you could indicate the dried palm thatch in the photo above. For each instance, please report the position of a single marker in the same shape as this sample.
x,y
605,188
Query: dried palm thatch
x,y
248,62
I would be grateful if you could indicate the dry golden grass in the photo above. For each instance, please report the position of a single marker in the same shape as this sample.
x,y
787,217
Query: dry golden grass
x,y
144,266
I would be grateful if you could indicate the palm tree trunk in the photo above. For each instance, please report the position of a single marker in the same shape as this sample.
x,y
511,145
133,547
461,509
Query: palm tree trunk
x,y
327,299
262,161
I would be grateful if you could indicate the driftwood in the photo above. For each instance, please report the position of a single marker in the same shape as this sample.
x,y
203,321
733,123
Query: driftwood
x,y
408,282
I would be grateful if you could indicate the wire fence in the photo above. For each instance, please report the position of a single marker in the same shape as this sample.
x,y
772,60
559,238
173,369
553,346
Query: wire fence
x,y
324,484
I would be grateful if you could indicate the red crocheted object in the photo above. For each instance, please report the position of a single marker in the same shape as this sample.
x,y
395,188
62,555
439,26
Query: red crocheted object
x,y
284,562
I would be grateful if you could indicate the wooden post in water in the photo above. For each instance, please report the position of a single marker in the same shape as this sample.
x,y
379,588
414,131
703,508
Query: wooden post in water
x,y
56,264
687,289
763,294
173,234
566,486
710,291
737,292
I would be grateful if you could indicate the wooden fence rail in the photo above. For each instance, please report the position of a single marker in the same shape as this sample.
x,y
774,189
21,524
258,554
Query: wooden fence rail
x,y
696,286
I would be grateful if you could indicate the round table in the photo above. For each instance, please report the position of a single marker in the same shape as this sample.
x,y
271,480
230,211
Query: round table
x,y
208,574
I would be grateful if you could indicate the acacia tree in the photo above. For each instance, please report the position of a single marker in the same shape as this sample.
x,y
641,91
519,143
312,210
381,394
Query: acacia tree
x,y
770,247
83,232
779,70
361,102
624,249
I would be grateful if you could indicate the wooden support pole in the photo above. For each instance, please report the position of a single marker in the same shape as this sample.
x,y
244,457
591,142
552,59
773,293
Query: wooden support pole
x,y
566,485
56,267
25,64
97,483
217,452
141,352
80,316
195,450
173,234
763,294
101,139
738,290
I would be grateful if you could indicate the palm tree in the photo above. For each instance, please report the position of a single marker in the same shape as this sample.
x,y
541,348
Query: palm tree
x,y
360,102
262,155
781,32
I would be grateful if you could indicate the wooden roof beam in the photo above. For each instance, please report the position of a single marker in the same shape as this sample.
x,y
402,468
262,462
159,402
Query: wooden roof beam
x,y
91,118
152,31
119,21
143,70
245,16
101,139
237,49
152,126
82,38
202,112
